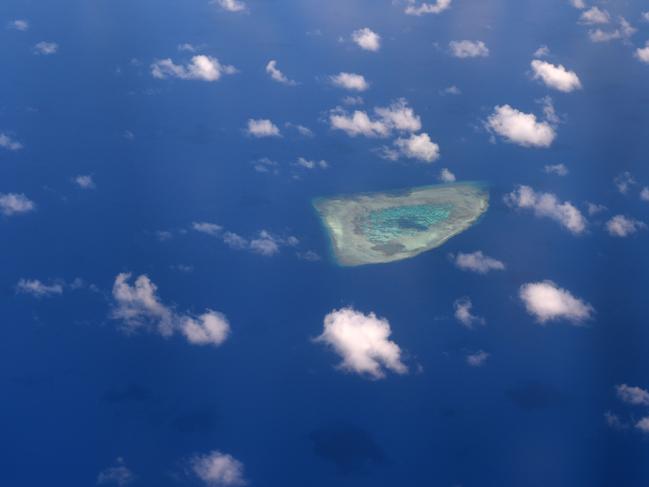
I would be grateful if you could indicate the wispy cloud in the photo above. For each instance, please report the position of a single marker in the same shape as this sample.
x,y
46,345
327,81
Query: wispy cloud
x,y
200,67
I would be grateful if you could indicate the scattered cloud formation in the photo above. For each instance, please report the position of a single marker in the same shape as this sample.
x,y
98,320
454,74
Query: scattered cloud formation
x,y
477,359
558,169
398,116
548,205
642,53
19,24
8,143
555,76
367,39
274,72
624,31
594,16
262,128
632,395
548,302
218,469
36,288
312,164
264,243
350,81
468,49
15,204
416,146
266,165
138,307
477,262
520,128
46,48
446,176
623,226
201,67
85,182
624,181
232,5
208,228
463,313
118,475
427,8
362,341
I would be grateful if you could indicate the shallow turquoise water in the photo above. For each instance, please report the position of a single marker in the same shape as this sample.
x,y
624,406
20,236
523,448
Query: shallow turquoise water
x,y
384,225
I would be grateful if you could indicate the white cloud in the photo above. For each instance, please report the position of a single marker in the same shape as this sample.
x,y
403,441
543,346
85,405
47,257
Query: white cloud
x,y
201,67
367,39
594,208
14,204
558,169
548,205
266,165
311,164
417,146
235,241
451,90
477,262
362,341
187,47
139,307
9,143
277,75
353,100
614,421
644,194
624,181
46,48
645,16
218,469
231,5
477,359
463,313
19,24
542,51
265,244
302,130
397,116
262,128
350,81
468,49
446,176
622,226
85,182
642,53
548,302
427,8
208,228
633,395
37,288
118,475
624,31
520,128
580,4
595,16
643,425
555,76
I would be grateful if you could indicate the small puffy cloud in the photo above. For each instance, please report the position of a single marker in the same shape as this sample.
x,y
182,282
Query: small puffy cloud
x,y
548,205
624,181
85,182
201,67
139,307
266,165
555,76
312,164
427,8
644,194
118,475
235,241
301,129
594,208
624,31
614,421
208,228
309,256
265,244
46,48
580,4
645,16
362,341
643,425
477,359
8,143
446,176
548,302
633,395
451,90
15,204
594,16
217,469
36,288
622,226
468,49
542,51
262,128
417,146
477,262
398,116
232,5
520,128
19,24
642,53
464,315
350,81
274,72
558,169
187,47
367,39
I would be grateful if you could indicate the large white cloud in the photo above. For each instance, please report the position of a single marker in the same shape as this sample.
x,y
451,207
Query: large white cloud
x,y
139,307
520,128
427,8
417,146
274,72
8,143
477,262
232,5
367,39
15,204
548,205
623,226
350,81
464,315
38,288
555,76
363,343
642,53
217,469
398,116
548,302
468,49
633,395
262,128
201,67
